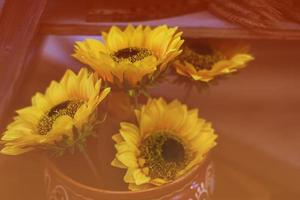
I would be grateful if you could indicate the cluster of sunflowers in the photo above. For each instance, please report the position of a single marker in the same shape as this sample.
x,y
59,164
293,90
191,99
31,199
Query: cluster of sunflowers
x,y
165,140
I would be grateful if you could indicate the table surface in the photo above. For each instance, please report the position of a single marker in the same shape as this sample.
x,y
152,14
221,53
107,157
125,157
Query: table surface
x,y
22,178
256,114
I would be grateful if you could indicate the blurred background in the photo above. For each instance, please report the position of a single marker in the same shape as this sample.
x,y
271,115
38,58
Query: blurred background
x,y
255,112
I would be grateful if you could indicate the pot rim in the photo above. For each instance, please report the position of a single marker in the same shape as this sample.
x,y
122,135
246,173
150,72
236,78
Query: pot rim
x,y
178,183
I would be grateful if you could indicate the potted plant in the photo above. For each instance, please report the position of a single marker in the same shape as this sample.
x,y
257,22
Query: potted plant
x,y
144,147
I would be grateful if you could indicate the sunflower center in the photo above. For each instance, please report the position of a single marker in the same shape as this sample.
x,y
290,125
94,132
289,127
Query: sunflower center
x,y
68,108
58,108
202,57
203,49
132,54
172,151
164,154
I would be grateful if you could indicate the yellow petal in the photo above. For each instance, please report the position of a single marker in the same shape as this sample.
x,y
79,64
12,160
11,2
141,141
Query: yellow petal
x,y
117,138
241,59
130,133
30,114
116,39
140,178
128,159
158,181
128,178
126,147
11,150
134,187
40,101
117,163
61,126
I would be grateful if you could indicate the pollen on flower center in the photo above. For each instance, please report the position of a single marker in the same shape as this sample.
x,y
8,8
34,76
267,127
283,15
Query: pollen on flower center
x,y
203,57
132,54
164,154
68,108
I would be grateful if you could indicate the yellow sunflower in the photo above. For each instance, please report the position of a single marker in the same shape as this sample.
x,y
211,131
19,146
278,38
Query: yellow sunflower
x,y
129,55
205,62
52,117
167,141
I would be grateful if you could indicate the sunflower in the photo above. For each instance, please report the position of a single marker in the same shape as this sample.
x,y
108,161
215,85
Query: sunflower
x,y
167,142
67,106
207,61
126,57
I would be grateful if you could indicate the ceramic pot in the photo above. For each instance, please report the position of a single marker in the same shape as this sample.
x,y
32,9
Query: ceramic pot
x,y
198,184
68,178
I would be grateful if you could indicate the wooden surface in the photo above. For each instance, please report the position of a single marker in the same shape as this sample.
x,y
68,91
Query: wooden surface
x,y
22,178
18,24
1,6
234,184
256,114
258,110
203,32
136,10
66,18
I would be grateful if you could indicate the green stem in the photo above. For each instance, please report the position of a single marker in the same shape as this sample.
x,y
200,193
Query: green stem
x,y
91,166
146,94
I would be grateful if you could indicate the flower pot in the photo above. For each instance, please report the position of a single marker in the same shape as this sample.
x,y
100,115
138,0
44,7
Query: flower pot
x,y
69,178
195,185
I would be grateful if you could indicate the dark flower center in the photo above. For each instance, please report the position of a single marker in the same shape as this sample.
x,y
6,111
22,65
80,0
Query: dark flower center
x,y
202,57
68,108
132,54
56,109
172,151
164,154
203,49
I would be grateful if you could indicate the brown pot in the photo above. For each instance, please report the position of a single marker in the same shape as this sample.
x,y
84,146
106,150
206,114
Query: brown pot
x,y
195,185
69,177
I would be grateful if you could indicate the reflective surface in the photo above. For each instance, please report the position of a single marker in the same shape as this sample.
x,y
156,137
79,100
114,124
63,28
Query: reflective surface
x,y
256,113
